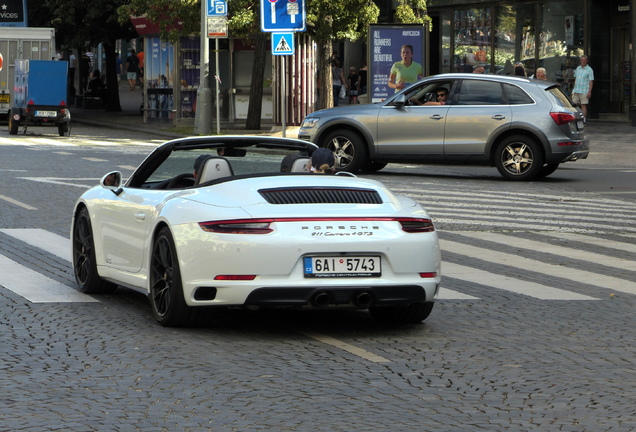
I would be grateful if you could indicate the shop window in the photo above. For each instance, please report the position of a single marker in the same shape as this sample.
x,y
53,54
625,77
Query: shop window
x,y
561,42
515,32
472,39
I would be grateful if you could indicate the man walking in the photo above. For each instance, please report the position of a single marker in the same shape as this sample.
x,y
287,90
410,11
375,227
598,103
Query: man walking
x,y
583,83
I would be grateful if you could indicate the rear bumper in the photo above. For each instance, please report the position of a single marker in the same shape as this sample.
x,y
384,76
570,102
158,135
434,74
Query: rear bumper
x,y
360,296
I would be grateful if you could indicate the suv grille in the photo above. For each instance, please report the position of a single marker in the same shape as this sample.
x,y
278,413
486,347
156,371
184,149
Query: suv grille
x,y
321,196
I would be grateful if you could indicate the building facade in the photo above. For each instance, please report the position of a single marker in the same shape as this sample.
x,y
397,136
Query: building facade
x,y
549,34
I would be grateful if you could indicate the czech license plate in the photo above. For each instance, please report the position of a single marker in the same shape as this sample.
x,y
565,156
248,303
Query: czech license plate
x,y
343,266
580,125
5,98
46,113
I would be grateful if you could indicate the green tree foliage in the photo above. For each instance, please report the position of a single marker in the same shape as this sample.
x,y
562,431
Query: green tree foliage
x,y
412,12
80,24
329,21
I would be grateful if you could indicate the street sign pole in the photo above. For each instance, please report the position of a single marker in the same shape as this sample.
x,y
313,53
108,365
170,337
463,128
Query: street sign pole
x,y
203,114
282,18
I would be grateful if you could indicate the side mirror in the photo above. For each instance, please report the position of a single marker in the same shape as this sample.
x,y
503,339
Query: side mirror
x,y
112,180
399,101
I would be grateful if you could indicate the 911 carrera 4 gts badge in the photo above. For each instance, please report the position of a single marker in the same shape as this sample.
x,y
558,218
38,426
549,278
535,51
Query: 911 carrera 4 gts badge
x,y
341,230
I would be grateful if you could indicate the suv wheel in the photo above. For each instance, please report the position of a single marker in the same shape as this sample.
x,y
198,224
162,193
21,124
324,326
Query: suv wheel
x,y
349,149
518,158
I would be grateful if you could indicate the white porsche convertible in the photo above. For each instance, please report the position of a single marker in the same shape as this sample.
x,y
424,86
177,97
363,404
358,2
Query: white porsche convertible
x,y
239,221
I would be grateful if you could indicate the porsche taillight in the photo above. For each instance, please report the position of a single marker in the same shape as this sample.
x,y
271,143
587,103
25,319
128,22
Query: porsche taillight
x,y
412,225
238,226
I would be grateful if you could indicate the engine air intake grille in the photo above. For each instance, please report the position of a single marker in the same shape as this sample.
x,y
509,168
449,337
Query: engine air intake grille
x,y
321,195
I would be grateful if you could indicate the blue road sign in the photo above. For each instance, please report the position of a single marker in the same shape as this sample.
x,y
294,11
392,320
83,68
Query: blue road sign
x,y
282,43
216,8
283,15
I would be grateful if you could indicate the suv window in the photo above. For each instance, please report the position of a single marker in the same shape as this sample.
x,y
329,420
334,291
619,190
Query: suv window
x,y
560,98
516,96
474,92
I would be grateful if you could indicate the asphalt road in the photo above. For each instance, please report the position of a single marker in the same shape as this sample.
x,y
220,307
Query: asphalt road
x,y
533,330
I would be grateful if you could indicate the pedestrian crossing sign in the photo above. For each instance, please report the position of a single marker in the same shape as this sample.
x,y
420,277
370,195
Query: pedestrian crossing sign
x,y
282,43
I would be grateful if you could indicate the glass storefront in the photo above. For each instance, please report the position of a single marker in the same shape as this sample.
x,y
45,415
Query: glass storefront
x,y
493,39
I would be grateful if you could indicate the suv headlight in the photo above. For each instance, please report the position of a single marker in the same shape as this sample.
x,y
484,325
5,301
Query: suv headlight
x,y
309,122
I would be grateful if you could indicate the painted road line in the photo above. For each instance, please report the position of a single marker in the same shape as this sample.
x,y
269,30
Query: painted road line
x,y
347,347
562,251
62,181
575,275
36,287
507,283
16,202
43,240
628,245
447,294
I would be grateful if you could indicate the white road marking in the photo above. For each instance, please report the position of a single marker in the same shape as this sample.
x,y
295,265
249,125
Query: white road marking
x,y
581,276
65,181
447,294
347,347
36,287
537,246
598,241
515,285
44,240
18,203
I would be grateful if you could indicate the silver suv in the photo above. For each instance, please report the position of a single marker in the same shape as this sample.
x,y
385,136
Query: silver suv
x,y
524,127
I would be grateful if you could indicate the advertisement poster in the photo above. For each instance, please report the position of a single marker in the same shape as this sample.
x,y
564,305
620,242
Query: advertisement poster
x,y
385,46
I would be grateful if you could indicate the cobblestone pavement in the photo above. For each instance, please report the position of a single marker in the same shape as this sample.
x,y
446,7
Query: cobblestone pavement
x,y
557,357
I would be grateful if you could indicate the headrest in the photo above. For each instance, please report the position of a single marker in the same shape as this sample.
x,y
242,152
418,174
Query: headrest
x,y
300,165
214,168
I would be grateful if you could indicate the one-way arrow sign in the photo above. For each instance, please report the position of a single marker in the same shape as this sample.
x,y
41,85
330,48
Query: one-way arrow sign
x,y
282,43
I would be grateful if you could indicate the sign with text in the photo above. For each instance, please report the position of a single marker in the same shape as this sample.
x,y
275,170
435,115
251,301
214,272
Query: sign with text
x,y
217,27
385,46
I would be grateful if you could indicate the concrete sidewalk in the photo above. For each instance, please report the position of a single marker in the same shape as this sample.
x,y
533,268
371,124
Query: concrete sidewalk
x,y
131,118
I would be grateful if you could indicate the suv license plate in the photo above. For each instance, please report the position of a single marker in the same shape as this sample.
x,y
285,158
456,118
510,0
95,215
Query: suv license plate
x,y
46,113
580,125
342,266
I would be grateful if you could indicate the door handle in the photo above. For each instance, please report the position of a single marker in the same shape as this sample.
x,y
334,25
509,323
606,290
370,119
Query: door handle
x,y
498,117
140,216
436,117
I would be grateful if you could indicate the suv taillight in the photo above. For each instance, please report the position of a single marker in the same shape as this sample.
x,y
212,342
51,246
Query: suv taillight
x,y
562,118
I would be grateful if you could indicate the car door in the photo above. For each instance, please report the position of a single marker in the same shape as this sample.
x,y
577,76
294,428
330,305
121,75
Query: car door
x,y
412,129
124,226
478,110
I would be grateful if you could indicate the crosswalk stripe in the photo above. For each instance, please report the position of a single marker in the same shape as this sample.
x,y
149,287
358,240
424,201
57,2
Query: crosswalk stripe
x,y
581,276
447,294
537,246
36,287
42,239
507,283
597,241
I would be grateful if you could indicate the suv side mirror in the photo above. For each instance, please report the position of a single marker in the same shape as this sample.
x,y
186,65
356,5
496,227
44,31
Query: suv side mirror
x,y
399,101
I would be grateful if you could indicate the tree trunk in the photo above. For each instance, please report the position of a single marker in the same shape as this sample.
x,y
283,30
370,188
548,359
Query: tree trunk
x,y
112,79
256,88
325,53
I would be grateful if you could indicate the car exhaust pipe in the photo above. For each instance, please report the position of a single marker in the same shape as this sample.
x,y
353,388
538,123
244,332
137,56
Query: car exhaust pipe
x,y
321,300
363,300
